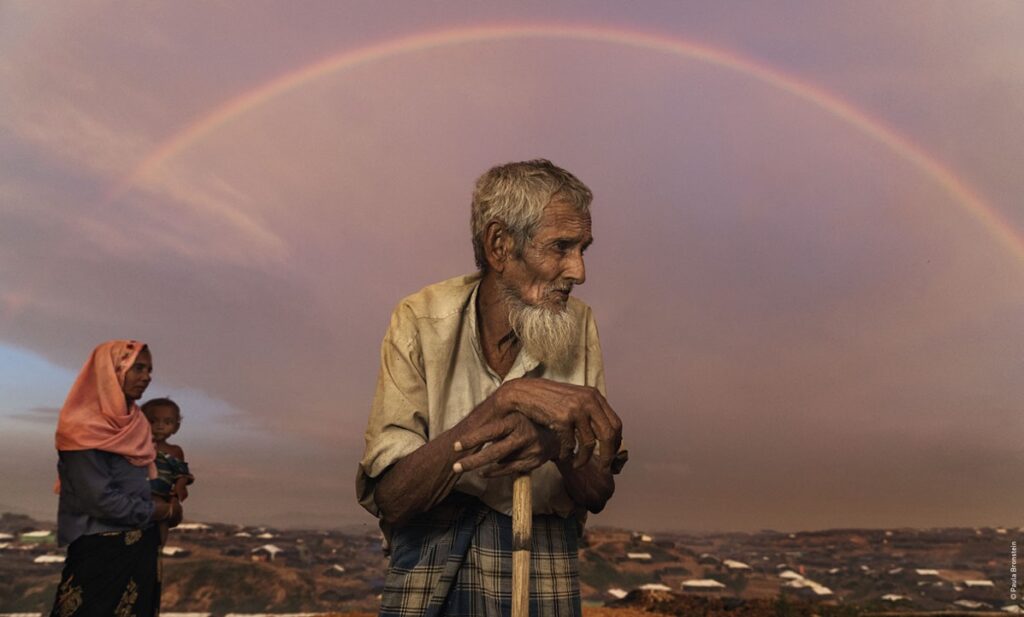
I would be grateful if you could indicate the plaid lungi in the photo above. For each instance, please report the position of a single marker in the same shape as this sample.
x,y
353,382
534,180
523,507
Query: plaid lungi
x,y
457,560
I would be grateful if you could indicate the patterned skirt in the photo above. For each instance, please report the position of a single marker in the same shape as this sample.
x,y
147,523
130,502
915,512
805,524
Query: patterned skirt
x,y
112,574
457,560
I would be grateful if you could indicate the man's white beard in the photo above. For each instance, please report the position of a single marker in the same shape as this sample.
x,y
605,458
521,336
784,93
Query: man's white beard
x,y
547,334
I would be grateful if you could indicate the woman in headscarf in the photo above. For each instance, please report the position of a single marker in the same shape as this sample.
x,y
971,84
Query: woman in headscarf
x,y
106,513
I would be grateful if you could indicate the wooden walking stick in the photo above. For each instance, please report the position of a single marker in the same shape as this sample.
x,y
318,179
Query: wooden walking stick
x,y
522,523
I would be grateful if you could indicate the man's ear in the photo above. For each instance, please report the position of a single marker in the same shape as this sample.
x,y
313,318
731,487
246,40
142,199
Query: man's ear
x,y
497,246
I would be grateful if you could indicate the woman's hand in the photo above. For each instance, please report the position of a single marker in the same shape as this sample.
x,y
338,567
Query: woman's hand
x,y
161,510
167,511
176,514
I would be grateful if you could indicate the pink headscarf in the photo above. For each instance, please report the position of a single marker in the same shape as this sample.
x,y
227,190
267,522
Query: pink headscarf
x,y
96,415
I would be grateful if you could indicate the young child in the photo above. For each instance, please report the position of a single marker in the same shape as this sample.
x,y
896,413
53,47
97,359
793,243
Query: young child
x,y
173,476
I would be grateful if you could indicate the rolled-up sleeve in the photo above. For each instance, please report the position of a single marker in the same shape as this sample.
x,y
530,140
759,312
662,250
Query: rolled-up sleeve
x,y
95,491
398,418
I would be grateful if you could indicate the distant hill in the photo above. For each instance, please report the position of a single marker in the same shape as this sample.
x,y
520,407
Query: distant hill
x,y
222,568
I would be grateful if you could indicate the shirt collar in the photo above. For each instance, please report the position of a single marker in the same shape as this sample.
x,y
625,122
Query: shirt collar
x,y
524,362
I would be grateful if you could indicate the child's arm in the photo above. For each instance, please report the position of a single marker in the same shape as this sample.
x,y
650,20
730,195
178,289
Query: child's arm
x,y
182,481
181,487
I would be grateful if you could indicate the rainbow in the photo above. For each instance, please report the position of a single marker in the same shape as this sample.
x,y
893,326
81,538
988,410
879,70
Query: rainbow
x,y
959,190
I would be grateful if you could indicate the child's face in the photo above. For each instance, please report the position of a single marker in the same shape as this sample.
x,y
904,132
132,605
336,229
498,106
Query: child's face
x,y
164,421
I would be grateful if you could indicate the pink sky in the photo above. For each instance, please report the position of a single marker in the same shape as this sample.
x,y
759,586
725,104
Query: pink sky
x,y
803,327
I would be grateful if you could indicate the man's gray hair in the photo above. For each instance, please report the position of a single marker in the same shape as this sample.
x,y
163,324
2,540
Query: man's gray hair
x,y
515,194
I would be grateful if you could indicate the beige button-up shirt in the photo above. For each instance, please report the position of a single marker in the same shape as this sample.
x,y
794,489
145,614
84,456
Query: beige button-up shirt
x,y
433,374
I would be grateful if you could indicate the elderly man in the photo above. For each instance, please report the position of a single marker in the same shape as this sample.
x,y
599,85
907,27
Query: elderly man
x,y
483,377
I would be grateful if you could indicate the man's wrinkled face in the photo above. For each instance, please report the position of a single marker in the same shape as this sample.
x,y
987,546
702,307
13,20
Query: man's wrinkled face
x,y
552,261
537,285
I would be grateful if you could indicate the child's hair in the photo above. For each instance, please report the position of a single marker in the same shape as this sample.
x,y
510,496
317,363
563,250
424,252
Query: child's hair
x,y
161,402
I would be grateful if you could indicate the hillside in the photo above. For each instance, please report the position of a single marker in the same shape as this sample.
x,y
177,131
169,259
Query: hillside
x,y
221,568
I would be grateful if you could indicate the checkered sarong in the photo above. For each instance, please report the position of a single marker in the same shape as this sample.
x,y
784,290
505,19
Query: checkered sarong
x,y
457,560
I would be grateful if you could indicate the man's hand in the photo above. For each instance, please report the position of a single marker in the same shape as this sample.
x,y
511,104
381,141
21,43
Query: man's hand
x,y
575,414
527,422
518,446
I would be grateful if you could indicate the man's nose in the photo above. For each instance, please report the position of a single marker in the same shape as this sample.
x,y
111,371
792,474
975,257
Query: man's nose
x,y
576,270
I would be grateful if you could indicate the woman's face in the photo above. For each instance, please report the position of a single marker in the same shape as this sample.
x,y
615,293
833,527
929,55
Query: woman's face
x,y
136,379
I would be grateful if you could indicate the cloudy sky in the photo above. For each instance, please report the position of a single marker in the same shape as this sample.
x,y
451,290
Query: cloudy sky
x,y
808,269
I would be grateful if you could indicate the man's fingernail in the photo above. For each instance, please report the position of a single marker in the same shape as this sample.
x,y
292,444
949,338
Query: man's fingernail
x,y
458,446
457,467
